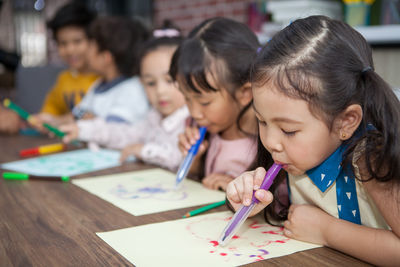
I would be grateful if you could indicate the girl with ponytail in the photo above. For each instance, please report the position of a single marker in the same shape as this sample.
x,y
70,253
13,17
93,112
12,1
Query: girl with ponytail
x,y
333,124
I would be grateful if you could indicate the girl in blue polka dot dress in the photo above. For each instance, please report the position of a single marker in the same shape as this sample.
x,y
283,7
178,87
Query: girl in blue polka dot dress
x,y
333,124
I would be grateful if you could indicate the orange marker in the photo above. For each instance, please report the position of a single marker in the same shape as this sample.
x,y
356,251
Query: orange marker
x,y
41,150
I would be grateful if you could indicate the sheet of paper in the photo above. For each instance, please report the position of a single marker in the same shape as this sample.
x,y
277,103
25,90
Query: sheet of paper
x,y
148,191
193,242
66,163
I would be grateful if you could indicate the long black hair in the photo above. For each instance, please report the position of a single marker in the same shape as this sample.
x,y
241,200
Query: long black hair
x,y
329,64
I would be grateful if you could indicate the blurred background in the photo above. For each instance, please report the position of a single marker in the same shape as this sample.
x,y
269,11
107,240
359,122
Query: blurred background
x,y
26,43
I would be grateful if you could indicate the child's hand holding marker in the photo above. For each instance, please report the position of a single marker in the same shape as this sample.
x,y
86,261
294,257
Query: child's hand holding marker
x,y
71,132
189,138
240,190
38,120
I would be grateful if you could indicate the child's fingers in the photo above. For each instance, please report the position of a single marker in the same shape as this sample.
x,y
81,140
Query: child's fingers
x,y
248,185
264,196
232,192
67,139
203,147
124,156
71,132
183,144
192,134
259,175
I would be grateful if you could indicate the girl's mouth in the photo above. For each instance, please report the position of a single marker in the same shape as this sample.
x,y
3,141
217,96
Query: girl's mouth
x,y
163,103
284,165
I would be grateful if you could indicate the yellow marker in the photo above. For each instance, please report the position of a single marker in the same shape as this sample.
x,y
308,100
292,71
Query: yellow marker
x,y
47,149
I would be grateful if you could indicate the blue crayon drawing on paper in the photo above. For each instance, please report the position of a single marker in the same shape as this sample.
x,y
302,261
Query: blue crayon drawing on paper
x,y
67,163
148,191
157,191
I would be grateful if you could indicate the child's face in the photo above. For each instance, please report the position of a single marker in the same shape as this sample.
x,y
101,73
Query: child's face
x,y
73,46
161,90
290,132
218,111
96,59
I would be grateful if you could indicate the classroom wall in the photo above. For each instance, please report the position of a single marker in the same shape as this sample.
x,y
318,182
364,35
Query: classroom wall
x,y
187,14
387,64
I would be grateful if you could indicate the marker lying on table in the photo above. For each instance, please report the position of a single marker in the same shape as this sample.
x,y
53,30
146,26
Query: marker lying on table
x,y
24,176
204,209
26,116
42,150
187,162
244,211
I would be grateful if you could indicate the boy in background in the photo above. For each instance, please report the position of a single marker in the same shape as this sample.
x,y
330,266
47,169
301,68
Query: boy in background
x,y
70,30
118,95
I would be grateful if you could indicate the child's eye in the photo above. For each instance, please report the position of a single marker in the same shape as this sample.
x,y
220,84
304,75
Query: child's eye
x,y
260,122
205,104
151,84
289,133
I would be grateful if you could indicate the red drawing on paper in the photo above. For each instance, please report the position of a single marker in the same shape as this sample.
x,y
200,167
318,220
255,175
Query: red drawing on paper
x,y
241,245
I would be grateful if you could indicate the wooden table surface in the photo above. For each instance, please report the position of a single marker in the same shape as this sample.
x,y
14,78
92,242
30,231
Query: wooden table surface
x,y
54,224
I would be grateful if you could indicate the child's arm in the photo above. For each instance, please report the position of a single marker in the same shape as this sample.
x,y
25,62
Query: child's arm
x,y
53,120
113,135
376,246
164,154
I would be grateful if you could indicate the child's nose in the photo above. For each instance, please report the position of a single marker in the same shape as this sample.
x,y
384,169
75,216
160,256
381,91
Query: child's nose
x,y
196,112
273,143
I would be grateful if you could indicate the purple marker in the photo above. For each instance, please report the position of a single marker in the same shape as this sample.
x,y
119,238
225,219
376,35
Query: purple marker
x,y
244,211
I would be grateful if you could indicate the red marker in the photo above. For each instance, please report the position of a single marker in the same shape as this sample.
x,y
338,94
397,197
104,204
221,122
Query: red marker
x,y
42,150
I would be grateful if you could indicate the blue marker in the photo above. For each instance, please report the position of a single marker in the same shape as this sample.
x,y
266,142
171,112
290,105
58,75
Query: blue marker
x,y
185,166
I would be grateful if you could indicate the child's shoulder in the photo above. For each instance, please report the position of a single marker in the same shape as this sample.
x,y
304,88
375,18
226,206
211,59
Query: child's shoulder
x,y
68,75
131,85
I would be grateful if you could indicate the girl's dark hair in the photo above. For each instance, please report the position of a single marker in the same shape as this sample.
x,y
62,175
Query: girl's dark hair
x,y
75,14
328,64
123,38
225,44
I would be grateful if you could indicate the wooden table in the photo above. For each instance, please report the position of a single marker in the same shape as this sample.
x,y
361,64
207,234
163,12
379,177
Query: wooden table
x,y
54,223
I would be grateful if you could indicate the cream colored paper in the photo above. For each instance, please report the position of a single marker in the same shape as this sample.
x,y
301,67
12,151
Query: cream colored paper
x,y
148,191
193,242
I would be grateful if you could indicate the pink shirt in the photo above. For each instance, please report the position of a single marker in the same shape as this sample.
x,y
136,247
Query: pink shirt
x,y
231,157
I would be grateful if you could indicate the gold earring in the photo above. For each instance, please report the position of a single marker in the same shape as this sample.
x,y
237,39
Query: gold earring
x,y
344,135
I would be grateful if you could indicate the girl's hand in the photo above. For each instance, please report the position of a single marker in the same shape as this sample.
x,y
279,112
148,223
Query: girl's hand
x,y
37,121
71,132
307,223
217,181
135,150
240,190
189,138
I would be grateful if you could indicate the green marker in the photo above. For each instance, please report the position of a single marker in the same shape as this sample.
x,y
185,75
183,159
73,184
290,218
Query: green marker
x,y
203,209
26,116
8,104
24,176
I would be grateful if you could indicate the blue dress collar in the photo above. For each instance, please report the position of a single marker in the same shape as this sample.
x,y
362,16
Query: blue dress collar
x,y
324,175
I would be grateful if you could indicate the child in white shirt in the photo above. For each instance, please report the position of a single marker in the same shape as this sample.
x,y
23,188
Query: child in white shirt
x,y
154,139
